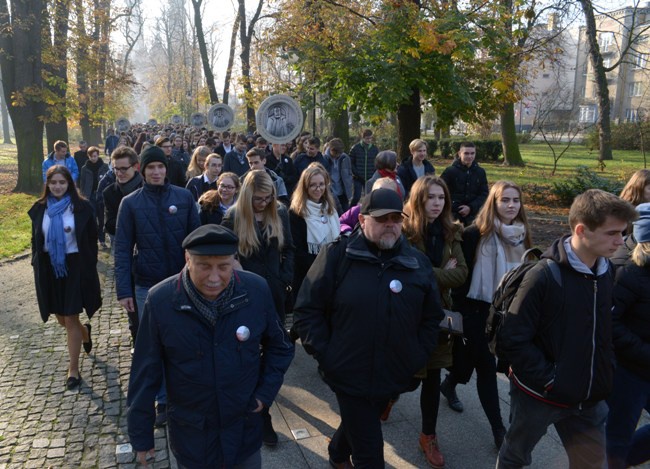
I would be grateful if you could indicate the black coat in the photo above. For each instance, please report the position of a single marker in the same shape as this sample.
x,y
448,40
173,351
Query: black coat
x,y
631,319
467,186
407,175
373,325
86,231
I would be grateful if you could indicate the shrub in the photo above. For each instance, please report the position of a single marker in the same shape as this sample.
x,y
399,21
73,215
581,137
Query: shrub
x,y
585,179
624,136
486,150
433,145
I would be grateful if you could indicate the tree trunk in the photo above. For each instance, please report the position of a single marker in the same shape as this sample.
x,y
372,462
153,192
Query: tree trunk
x,y
231,60
56,123
21,64
207,71
341,127
600,77
511,153
246,38
6,128
81,56
408,124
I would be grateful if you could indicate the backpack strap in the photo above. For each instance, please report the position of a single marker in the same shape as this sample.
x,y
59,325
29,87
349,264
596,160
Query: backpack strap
x,y
555,271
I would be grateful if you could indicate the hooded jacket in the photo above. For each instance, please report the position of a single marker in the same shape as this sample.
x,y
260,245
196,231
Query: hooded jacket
x,y
558,338
467,186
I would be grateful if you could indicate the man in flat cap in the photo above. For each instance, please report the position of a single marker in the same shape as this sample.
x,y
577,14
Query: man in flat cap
x,y
368,311
206,327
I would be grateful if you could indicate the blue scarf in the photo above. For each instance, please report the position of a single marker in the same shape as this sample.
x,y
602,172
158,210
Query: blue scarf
x,y
56,235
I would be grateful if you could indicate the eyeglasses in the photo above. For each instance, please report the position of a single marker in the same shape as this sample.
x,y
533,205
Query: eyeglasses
x,y
122,170
227,188
392,217
166,146
260,200
316,186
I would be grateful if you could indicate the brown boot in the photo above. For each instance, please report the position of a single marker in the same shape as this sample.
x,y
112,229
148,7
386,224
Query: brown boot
x,y
429,445
384,415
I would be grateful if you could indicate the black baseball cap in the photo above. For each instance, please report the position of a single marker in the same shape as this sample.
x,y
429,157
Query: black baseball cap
x,y
211,240
381,202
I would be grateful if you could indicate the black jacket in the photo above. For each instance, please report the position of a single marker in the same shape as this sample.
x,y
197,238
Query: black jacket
x,y
112,196
558,339
407,175
197,186
369,339
631,319
467,186
86,234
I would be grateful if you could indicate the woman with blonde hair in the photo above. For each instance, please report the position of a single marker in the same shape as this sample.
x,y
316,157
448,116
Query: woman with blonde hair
x,y
208,179
431,228
493,245
265,247
313,219
197,163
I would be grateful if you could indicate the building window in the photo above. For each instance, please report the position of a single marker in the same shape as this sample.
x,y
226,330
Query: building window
x,y
605,41
636,88
588,114
640,60
607,62
631,115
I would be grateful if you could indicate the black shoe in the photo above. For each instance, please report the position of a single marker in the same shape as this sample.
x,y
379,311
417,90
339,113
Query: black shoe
x,y
341,465
161,415
499,435
448,390
73,382
88,346
269,436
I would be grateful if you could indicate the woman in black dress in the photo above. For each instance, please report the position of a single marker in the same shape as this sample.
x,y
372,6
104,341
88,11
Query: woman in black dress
x,y
64,258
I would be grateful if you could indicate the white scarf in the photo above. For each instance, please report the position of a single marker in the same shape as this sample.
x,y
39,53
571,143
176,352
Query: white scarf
x,y
321,227
495,256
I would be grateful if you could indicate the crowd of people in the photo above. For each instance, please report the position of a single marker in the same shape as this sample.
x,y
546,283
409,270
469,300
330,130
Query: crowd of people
x,y
218,238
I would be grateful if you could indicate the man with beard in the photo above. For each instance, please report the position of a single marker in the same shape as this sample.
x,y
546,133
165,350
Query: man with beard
x,y
370,335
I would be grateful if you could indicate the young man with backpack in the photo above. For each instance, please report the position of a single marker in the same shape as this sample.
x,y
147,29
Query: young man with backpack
x,y
556,336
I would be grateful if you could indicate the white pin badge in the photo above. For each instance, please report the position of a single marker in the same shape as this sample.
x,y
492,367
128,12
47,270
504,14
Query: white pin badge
x,y
395,286
173,209
243,333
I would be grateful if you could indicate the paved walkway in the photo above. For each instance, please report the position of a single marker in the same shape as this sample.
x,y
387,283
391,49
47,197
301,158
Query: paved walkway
x,y
43,425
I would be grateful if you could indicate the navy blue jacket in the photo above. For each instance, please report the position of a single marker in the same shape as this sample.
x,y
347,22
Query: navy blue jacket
x,y
467,186
407,175
213,379
147,220
303,160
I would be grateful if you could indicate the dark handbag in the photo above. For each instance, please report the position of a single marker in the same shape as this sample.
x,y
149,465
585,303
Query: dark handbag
x,y
452,323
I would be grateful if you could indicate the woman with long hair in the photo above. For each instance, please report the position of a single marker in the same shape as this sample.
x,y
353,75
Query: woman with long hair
x,y
208,180
197,163
637,189
214,204
431,228
493,245
313,218
64,258
265,247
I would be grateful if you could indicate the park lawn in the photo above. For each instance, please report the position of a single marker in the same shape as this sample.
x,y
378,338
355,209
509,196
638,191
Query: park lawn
x,y
15,225
539,165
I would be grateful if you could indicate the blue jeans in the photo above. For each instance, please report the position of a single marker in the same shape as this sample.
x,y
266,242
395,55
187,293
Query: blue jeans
x,y
630,396
582,431
140,298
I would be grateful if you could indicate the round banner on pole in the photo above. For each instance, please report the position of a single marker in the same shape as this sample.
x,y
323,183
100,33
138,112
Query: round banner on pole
x,y
122,124
279,119
221,117
152,122
176,119
198,119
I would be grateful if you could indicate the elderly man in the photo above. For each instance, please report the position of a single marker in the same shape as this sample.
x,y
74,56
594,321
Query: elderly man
x,y
368,311
206,327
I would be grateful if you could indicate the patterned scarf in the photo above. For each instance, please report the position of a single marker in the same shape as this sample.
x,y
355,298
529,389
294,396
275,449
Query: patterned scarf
x,y
210,310
56,234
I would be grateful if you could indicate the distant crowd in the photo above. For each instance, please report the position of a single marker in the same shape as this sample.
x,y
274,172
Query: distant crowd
x,y
219,237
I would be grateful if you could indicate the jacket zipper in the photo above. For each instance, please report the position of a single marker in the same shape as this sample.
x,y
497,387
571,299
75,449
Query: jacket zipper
x,y
593,341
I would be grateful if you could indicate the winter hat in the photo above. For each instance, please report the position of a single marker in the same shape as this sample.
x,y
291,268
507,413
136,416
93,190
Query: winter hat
x,y
150,155
642,225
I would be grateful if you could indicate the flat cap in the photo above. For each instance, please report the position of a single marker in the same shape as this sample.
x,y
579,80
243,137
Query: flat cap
x,y
211,240
381,202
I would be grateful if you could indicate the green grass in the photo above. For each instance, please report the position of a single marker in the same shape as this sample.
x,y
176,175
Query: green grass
x,y
15,225
539,164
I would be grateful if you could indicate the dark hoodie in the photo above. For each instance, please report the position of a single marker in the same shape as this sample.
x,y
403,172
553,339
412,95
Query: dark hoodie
x,y
558,338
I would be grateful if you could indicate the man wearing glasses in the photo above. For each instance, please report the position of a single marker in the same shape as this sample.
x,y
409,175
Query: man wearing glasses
x,y
368,311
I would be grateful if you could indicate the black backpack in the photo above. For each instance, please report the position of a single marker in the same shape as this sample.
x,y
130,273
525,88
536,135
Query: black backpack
x,y
504,295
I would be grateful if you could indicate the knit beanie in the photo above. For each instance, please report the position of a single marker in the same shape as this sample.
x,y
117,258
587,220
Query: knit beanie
x,y
150,155
642,225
